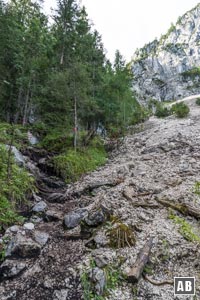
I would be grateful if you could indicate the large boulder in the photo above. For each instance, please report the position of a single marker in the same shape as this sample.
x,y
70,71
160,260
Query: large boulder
x,y
21,246
11,268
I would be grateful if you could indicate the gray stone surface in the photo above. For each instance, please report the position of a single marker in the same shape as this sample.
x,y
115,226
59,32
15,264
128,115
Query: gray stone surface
x,y
21,246
99,278
96,218
73,219
39,207
41,237
11,268
158,66
29,226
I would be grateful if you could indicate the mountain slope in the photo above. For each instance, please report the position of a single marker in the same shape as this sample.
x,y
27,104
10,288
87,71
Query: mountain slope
x,y
168,68
157,165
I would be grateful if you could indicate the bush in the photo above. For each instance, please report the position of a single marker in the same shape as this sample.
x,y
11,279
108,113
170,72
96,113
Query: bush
x,y
72,165
198,101
13,191
56,141
181,110
162,111
7,131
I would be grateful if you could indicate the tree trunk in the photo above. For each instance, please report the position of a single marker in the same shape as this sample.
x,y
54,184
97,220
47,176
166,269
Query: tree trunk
x,y
9,162
75,123
26,104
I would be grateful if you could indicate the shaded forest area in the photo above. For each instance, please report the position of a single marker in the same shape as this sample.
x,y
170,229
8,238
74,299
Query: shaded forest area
x,y
55,74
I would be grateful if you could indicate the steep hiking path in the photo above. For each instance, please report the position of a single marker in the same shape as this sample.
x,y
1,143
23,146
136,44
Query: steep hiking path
x,y
148,184
186,99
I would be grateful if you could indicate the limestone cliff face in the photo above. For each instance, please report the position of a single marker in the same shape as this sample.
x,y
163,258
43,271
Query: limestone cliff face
x,y
169,68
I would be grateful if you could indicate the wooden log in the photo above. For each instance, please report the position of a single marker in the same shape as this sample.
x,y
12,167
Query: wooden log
x,y
61,197
136,203
141,261
183,208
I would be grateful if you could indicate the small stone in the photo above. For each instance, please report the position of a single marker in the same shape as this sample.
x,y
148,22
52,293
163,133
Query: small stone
x,y
53,215
99,278
60,294
41,237
39,207
73,219
95,219
29,226
14,228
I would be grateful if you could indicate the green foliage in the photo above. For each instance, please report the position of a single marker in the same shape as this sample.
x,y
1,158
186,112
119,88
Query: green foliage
x,y
198,101
148,269
20,134
57,141
162,111
181,110
73,164
14,190
139,115
192,73
114,278
120,234
185,229
49,72
197,188
8,214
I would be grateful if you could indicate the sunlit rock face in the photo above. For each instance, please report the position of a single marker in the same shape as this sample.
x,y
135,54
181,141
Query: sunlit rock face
x,y
169,68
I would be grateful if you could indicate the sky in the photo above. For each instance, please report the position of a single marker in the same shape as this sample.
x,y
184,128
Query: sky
x,y
129,24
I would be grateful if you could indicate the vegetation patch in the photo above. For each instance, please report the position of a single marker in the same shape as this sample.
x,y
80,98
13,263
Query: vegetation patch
x,y
72,164
185,229
162,111
114,277
192,72
181,110
16,184
17,133
198,101
120,234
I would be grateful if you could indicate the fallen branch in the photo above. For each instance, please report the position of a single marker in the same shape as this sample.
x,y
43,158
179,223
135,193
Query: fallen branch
x,y
64,196
137,203
158,283
184,209
142,259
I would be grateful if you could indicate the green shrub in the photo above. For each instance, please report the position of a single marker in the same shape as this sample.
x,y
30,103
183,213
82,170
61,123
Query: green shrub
x,y
13,190
162,111
19,133
8,214
185,229
198,101
181,110
140,115
56,141
73,164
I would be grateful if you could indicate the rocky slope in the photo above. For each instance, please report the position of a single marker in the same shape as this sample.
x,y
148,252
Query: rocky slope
x,y
167,69
158,162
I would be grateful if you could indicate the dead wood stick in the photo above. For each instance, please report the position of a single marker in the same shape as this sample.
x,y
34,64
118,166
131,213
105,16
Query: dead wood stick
x,y
185,209
65,195
143,204
155,282
142,259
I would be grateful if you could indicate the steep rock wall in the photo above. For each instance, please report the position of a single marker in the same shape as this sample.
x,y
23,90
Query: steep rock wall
x,y
169,68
